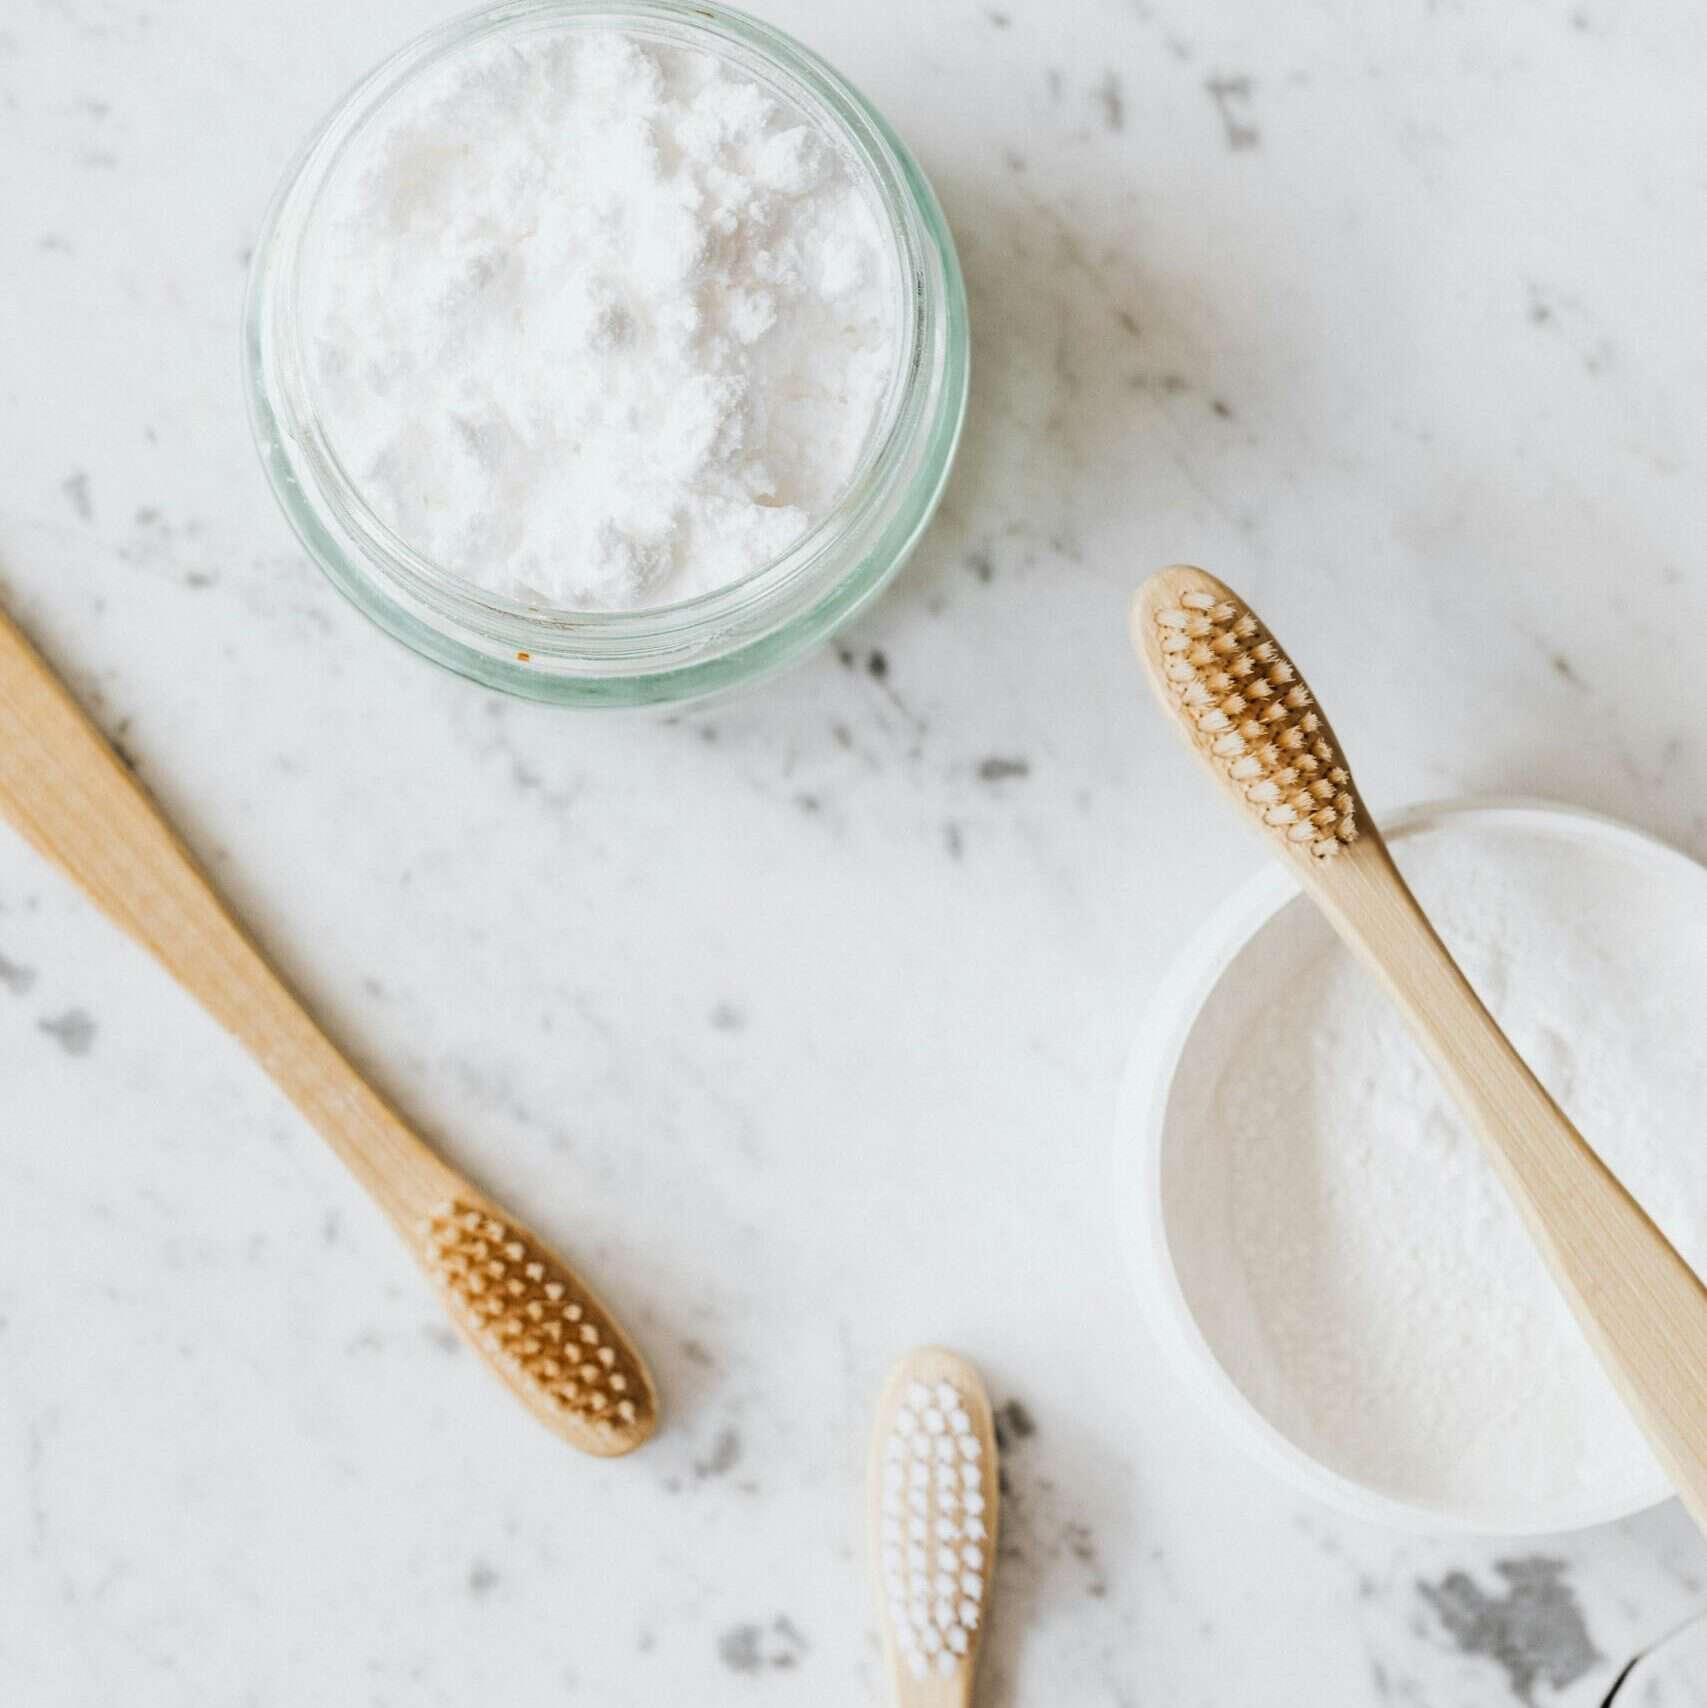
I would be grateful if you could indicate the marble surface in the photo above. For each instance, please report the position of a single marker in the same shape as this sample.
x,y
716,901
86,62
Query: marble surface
x,y
801,1018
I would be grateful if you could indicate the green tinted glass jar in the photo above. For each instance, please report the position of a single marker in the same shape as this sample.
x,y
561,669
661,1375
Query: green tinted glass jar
x,y
674,652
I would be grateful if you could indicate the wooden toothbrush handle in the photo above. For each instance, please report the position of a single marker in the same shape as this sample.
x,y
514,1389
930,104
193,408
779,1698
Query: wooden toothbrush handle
x,y
1642,1307
69,795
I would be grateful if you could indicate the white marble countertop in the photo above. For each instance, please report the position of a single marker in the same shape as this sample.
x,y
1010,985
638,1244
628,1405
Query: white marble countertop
x,y
802,1017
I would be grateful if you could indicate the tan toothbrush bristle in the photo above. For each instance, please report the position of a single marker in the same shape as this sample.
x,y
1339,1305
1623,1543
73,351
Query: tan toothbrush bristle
x,y
545,1333
1251,712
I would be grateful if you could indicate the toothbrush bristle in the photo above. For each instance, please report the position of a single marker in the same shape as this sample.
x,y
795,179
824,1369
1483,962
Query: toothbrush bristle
x,y
934,1531
1252,713
538,1324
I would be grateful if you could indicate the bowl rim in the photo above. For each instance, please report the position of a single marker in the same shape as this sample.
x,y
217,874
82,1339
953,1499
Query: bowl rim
x,y
1166,1025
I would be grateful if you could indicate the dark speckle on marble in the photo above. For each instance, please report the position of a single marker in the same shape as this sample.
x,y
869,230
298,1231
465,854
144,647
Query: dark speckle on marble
x,y
724,1456
738,1648
1534,1632
1566,671
73,1031
954,840
15,977
1222,408
75,486
1232,98
443,1338
755,1648
695,1353
482,1579
728,1017
1013,1424
998,769
981,564
1081,1544
1112,99
997,20
877,664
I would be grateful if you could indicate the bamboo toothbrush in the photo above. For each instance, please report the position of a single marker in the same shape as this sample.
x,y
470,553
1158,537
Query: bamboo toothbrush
x,y
1248,714
933,1495
533,1319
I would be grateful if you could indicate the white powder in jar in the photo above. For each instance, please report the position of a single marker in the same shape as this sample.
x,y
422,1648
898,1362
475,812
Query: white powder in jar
x,y
599,322
1346,1249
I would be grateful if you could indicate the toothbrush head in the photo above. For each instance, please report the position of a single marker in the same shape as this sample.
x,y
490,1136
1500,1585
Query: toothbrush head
x,y
540,1327
1242,704
934,1499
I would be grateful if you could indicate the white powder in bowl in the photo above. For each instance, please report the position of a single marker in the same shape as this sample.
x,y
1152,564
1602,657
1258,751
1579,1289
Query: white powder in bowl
x,y
599,322
1345,1248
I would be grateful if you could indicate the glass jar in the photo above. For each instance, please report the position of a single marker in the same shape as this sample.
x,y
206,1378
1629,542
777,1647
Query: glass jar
x,y
671,652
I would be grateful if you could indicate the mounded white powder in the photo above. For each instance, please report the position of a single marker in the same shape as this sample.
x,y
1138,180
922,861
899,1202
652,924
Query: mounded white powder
x,y
1345,1247
599,322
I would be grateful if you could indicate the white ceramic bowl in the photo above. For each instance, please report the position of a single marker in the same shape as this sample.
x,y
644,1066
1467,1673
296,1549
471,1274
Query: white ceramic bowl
x,y
1141,1150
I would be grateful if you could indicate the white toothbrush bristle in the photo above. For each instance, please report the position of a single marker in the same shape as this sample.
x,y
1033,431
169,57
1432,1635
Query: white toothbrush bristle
x,y
1243,700
932,1478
